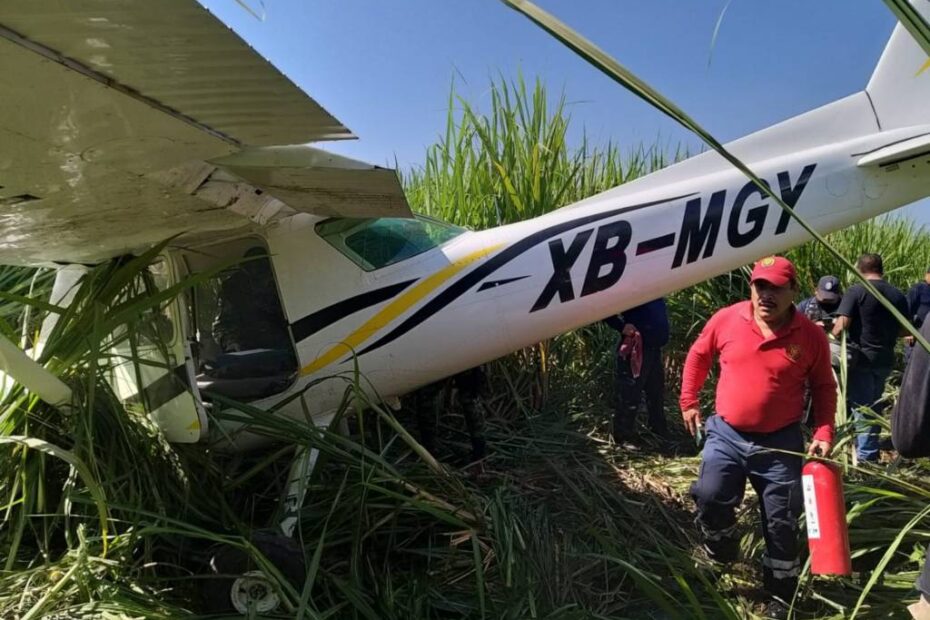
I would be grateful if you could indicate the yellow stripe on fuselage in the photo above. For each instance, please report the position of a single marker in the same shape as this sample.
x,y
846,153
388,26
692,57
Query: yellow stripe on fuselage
x,y
392,311
925,67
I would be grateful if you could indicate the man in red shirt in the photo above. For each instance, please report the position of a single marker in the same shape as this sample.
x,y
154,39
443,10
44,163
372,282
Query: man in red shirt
x,y
768,352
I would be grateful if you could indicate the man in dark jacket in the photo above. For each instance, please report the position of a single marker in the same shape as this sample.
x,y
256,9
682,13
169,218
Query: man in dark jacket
x,y
910,432
918,301
918,304
648,322
873,330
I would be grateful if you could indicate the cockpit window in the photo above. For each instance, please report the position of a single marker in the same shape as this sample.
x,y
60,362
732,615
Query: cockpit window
x,y
376,243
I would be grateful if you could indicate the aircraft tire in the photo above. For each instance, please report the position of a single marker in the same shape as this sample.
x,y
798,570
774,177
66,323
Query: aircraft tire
x,y
238,581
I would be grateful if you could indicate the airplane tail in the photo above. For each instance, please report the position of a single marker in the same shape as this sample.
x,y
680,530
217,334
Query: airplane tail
x,y
900,86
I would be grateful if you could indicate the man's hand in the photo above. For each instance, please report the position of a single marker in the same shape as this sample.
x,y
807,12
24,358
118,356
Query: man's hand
x,y
692,419
629,329
819,447
839,324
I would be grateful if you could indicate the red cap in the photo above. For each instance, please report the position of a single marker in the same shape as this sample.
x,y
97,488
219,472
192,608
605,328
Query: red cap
x,y
775,269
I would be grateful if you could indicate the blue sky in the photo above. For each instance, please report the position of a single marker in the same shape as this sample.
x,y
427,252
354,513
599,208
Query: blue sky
x,y
384,68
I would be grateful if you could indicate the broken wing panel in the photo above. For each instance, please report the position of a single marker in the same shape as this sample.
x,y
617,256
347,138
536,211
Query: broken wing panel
x,y
321,183
332,192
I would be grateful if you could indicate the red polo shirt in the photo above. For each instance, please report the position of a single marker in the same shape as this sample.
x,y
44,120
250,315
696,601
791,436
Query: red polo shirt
x,y
762,380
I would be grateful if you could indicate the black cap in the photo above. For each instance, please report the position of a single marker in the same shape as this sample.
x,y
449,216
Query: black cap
x,y
828,289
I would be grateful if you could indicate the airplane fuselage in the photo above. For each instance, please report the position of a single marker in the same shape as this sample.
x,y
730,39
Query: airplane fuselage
x,y
485,294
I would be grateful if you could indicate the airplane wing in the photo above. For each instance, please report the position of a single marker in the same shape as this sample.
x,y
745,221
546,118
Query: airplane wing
x,y
110,112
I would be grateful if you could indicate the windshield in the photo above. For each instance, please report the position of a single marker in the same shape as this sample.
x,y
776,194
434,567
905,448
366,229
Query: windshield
x,y
375,243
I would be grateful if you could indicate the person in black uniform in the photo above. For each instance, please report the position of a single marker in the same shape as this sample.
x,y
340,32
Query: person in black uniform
x,y
918,304
918,300
873,331
910,433
650,322
434,400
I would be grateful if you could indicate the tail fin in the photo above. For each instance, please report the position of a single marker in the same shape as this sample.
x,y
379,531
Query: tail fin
x,y
900,87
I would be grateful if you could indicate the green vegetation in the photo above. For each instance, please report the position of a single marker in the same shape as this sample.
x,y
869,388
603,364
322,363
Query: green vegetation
x,y
101,518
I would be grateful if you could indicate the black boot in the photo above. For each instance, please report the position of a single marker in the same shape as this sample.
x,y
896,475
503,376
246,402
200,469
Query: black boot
x,y
780,592
776,609
721,543
724,550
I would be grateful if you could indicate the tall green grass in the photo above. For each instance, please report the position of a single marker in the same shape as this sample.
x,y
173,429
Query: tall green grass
x,y
507,159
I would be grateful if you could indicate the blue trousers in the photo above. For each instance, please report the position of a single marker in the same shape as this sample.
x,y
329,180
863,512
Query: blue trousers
x,y
864,387
730,457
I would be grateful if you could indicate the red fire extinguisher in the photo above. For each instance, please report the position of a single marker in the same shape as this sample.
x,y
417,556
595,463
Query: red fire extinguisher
x,y
827,535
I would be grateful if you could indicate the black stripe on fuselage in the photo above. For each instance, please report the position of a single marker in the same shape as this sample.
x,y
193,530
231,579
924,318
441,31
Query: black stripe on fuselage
x,y
495,283
466,282
162,390
312,323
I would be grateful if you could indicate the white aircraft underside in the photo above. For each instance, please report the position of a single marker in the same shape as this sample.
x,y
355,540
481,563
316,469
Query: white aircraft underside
x,y
107,146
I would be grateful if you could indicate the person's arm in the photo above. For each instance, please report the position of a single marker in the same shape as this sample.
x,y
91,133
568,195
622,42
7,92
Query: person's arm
x,y
840,324
697,366
913,300
823,394
903,307
846,312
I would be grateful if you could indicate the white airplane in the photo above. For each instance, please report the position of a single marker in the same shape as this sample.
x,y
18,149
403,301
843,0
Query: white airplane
x,y
124,124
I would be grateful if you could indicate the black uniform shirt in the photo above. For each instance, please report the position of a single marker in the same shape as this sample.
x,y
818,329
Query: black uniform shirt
x,y
874,329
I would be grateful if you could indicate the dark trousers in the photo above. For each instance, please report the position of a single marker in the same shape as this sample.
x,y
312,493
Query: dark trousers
x,y
865,385
435,399
730,457
630,392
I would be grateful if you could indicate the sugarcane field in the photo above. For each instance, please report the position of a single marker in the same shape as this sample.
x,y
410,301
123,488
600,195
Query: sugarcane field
x,y
611,310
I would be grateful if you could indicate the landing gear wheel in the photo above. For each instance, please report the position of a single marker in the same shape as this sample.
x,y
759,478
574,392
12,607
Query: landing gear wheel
x,y
241,586
254,590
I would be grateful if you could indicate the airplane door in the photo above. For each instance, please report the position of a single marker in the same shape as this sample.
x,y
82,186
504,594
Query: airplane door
x,y
153,368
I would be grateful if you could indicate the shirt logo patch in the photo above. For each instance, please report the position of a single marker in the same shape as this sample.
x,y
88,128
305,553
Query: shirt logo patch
x,y
794,352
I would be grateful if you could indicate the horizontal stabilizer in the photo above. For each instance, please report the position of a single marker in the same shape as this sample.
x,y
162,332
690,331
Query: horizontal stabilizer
x,y
899,151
